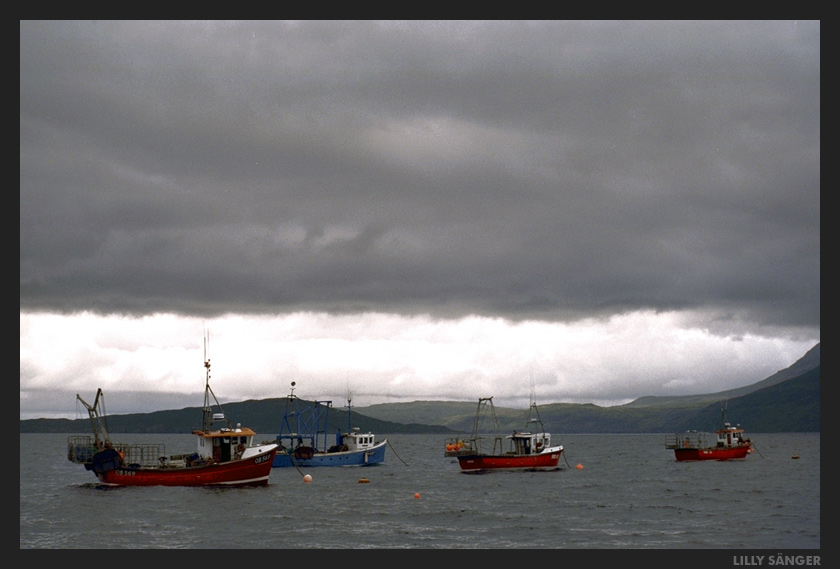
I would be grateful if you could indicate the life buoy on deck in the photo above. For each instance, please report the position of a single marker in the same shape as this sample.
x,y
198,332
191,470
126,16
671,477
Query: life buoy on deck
x,y
240,447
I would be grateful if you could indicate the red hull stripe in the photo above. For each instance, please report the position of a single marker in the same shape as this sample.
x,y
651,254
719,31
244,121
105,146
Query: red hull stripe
x,y
249,472
711,453
479,462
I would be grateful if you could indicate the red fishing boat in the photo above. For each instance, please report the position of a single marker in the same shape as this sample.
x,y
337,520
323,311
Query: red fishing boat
x,y
225,456
729,444
525,450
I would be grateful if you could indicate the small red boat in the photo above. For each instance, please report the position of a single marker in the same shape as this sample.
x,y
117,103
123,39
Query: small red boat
x,y
224,457
526,450
729,444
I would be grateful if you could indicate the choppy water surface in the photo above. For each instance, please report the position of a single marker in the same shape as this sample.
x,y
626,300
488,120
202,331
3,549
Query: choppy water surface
x,y
629,494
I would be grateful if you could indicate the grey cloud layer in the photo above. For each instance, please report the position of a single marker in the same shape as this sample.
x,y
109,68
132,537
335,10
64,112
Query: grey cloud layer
x,y
517,169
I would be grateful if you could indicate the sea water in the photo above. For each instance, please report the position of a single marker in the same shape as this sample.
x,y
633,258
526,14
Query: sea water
x,y
611,492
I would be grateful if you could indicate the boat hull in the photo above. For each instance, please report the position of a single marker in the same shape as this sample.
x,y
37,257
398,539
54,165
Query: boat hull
x,y
711,453
251,471
362,457
548,460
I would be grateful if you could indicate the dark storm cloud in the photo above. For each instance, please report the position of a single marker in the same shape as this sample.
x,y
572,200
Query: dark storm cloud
x,y
550,169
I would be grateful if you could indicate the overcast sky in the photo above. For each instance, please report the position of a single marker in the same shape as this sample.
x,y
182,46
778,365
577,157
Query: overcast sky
x,y
600,210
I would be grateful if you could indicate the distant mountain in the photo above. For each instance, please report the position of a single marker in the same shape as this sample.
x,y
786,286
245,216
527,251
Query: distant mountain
x,y
263,416
787,401
807,362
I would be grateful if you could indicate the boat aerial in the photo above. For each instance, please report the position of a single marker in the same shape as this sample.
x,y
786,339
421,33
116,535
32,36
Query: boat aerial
x,y
526,450
303,438
225,456
729,443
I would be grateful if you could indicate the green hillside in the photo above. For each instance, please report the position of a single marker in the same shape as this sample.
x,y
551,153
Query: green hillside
x,y
263,416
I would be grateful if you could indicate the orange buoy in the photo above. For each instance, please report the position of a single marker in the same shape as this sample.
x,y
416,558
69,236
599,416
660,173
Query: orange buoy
x,y
579,467
416,495
307,478
450,447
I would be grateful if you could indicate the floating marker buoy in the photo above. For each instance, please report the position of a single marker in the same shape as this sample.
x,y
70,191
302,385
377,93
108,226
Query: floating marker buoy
x,y
307,478
416,495
363,480
579,467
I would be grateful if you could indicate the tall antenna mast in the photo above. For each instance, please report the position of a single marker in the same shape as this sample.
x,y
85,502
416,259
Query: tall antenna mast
x,y
208,417
349,412
533,407
533,390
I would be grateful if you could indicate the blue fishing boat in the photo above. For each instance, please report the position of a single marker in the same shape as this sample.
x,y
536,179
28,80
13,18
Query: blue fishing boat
x,y
303,438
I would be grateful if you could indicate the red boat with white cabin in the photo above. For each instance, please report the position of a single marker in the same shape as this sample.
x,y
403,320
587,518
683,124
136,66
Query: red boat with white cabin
x,y
729,444
225,456
526,450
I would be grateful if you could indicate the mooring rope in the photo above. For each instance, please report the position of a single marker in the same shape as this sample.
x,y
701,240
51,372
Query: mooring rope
x,y
395,453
